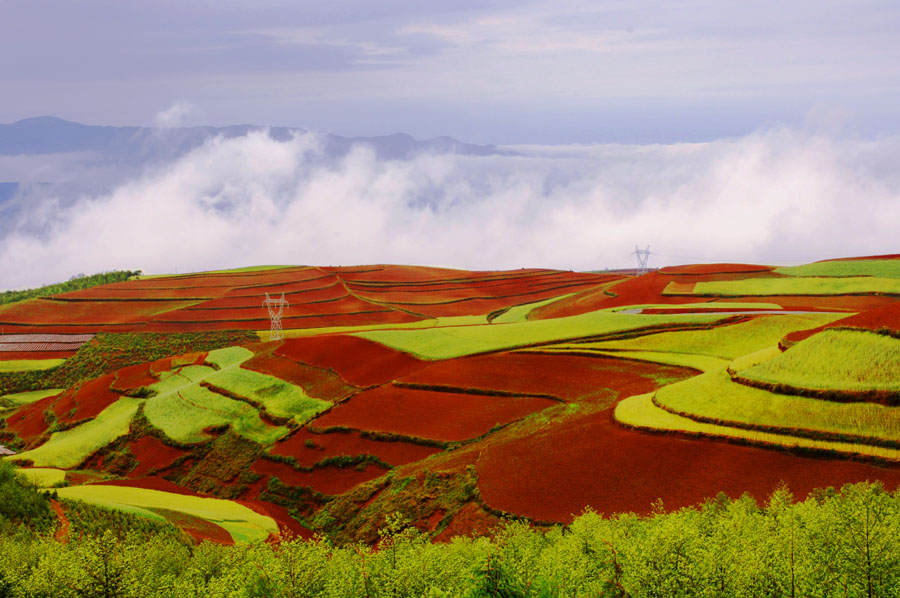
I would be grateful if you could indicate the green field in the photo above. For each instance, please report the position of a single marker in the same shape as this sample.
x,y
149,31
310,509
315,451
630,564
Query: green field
x,y
18,399
763,287
43,477
29,365
242,523
444,343
715,396
519,313
844,360
69,448
879,268
726,342
639,412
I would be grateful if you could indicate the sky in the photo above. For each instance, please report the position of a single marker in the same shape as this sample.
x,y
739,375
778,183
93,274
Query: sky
x,y
551,72
759,132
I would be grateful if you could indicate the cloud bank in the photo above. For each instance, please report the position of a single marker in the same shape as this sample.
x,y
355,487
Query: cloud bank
x,y
776,196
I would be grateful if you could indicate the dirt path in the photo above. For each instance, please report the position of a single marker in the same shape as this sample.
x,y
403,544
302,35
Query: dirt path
x,y
62,534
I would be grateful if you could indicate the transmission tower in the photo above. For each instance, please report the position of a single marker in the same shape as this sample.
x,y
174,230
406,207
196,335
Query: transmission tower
x,y
276,308
642,256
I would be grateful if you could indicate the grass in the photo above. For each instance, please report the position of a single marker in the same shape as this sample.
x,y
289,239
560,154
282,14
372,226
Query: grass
x,y
30,396
280,398
731,305
69,448
243,524
182,409
762,287
726,342
43,477
880,268
844,360
30,365
445,343
639,412
715,396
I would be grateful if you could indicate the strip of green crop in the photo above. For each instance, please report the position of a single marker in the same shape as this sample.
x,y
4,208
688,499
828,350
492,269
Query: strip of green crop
x,y
845,360
30,365
714,396
729,305
519,313
880,268
69,448
639,412
29,396
242,523
444,343
43,477
727,342
764,287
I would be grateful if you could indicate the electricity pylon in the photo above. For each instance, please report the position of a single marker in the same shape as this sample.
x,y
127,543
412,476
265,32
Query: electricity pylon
x,y
642,256
276,308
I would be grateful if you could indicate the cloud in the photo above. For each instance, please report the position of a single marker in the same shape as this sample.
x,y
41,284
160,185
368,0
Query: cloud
x,y
179,114
776,196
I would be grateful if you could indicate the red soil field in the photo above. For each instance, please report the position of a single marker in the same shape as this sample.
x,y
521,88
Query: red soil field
x,y
319,281
887,316
150,483
28,421
332,291
87,400
359,361
18,328
344,305
714,269
849,303
151,454
201,530
443,416
351,443
567,377
471,520
17,355
385,316
316,382
62,532
133,376
135,293
888,256
553,474
48,311
327,480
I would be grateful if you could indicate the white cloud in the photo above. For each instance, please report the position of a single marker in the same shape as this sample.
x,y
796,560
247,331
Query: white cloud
x,y
179,114
775,197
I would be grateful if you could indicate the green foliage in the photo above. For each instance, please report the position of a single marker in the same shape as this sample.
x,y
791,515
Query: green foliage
x,y
843,360
94,520
20,500
881,268
833,544
75,283
30,365
770,287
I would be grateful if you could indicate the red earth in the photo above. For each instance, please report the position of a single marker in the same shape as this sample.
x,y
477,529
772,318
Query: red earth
x,y
471,520
566,377
442,416
359,361
553,474
327,480
62,532
316,382
17,355
885,317
714,269
150,483
333,444
151,454
288,527
28,421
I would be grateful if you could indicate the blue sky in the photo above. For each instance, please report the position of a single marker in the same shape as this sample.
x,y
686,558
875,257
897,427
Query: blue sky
x,y
484,71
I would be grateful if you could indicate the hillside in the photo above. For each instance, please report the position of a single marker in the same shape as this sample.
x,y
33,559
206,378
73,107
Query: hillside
x,y
451,397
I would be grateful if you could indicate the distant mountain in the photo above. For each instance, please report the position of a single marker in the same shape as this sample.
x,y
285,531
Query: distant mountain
x,y
51,135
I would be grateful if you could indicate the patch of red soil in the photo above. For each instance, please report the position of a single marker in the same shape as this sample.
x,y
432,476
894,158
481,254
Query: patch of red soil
x,y
200,529
16,355
134,376
368,318
316,382
553,474
88,400
887,316
443,416
888,256
330,292
327,480
62,532
49,311
715,269
471,520
28,421
288,527
335,444
150,483
137,293
151,454
359,361
41,328
567,377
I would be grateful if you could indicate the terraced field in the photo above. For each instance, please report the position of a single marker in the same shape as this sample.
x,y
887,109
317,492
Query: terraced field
x,y
455,397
